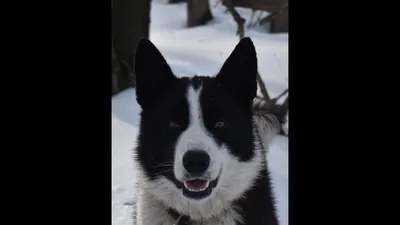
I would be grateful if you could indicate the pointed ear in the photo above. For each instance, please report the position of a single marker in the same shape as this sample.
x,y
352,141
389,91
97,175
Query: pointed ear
x,y
239,72
152,73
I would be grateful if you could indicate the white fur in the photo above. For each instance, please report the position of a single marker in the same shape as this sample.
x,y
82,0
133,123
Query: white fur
x,y
197,137
153,212
155,197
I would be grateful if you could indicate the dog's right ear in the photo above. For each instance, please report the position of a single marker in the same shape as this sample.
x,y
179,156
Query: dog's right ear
x,y
239,72
152,73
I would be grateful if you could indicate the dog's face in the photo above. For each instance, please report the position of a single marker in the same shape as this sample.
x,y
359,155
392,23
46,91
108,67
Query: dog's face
x,y
196,140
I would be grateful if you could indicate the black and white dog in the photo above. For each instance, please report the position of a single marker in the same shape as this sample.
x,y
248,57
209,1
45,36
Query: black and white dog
x,y
201,151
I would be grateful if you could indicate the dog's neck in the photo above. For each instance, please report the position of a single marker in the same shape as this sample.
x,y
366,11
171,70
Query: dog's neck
x,y
180,219
255,209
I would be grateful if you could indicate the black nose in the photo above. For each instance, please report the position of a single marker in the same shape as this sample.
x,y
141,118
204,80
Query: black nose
x,y
196,162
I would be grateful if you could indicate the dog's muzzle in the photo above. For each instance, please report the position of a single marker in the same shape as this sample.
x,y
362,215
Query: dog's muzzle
x,y
196,184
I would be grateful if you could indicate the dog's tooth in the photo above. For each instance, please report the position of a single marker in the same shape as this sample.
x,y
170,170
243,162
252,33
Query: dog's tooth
x,y
197,190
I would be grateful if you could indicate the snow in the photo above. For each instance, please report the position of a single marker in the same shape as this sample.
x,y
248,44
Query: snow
x,y
189,51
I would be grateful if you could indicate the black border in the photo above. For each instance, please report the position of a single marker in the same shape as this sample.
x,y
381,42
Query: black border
x,y
323,85
307,161
63,53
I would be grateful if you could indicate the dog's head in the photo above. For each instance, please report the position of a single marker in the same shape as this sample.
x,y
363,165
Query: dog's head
x,y
196,143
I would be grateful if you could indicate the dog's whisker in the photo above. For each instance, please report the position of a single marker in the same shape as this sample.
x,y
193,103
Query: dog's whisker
x,y
166,165
162,164
167,172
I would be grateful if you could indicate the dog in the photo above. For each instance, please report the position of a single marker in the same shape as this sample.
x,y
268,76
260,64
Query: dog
x,y
201,148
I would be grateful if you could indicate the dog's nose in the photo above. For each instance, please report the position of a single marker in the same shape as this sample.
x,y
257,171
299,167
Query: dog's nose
x,y
196,162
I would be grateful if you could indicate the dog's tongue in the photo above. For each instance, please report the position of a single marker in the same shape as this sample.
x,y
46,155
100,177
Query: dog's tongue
x,y
196,184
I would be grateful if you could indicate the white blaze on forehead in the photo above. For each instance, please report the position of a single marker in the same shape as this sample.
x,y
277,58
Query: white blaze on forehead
x,y
193,98
196,137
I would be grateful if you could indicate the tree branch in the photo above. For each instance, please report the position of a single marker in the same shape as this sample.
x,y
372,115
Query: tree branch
x,y
236,16
266,105
272,15
263,88
279,96
253,12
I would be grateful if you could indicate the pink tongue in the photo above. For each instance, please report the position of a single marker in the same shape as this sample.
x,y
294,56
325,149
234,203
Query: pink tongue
x,y
196,184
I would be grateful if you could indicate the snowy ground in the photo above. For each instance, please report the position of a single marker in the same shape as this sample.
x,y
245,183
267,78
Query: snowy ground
x,y
200,50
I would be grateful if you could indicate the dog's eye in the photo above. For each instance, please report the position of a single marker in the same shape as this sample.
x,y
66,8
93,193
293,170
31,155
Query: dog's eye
x,y
173,124
219,124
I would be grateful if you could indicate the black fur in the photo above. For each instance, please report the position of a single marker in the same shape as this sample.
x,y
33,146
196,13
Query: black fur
x,y
258,206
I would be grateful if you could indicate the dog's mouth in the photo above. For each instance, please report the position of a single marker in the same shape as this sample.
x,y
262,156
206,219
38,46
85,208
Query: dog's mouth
x,y
198,189
196,185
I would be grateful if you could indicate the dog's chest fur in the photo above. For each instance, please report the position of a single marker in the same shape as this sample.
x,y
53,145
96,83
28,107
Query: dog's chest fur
x,y
151,211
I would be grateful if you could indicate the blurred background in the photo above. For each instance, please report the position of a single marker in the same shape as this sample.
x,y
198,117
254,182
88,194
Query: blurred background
x,y
195,37
217,20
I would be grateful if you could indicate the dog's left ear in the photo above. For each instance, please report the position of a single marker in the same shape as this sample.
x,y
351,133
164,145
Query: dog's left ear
x,y
239,72
153,74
